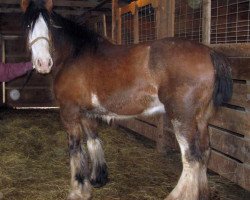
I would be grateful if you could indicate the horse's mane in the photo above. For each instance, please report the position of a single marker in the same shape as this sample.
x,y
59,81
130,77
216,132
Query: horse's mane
x,y
79,36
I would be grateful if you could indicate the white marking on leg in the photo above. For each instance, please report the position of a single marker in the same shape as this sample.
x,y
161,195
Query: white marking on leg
x,y
193,176
96,154
181,140
94,100
96,103
155,107
79,191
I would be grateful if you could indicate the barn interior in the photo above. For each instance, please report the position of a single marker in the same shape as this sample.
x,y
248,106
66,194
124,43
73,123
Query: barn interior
x,y
142,154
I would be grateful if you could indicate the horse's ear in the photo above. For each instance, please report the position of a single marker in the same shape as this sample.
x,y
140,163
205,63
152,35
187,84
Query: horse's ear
x,y
24,5
49,5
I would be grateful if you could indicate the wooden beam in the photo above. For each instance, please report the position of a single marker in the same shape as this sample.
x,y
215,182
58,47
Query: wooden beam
x,y
100,4
59,11
68,3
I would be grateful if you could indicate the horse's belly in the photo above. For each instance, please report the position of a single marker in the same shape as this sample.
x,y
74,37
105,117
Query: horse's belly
x,y
127,110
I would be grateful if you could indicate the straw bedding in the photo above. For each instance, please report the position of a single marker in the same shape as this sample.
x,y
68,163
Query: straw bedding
x,y
34,163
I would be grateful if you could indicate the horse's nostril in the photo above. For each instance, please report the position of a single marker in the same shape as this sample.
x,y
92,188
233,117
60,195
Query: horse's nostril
x,y
50,62
38,62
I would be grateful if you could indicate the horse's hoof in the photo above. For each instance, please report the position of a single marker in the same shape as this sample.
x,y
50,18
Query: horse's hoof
x,y
76,196
99,182
101,177
84,194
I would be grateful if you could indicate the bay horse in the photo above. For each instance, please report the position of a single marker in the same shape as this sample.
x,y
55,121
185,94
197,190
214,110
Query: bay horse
x,y
95,78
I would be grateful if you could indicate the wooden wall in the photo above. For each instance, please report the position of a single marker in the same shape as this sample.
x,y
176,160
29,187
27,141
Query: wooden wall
x,y
230,127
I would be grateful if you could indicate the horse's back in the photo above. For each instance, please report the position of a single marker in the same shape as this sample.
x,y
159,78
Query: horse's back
x,y
177,61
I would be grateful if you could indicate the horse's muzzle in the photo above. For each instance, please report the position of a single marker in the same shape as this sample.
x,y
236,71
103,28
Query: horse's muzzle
x,y
43,66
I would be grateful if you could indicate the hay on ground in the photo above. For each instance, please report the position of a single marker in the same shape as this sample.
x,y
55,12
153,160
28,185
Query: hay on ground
x,y
34,163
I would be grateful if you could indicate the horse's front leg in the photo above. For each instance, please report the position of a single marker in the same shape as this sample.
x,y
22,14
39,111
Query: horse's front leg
x,y
99,173
81,187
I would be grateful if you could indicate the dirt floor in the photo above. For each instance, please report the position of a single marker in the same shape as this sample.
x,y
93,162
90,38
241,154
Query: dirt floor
x,y
34,163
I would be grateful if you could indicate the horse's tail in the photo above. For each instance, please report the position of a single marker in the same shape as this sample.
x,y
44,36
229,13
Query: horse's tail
x,y
223,87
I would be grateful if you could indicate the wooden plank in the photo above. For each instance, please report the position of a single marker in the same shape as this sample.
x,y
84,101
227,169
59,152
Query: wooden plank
x,y
227,143
161,142
233,120
31,96
247,151
17,45
230,169
129,8
233,50
36,80
154,120
240,68
224,166
171,140
139,127
240,95
244,178
141,3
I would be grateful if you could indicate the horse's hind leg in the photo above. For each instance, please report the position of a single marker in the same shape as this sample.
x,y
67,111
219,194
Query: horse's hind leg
x,y
191,132
81,187
99,174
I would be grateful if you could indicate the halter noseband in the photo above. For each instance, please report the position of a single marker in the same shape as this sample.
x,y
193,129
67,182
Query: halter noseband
x,y
37,39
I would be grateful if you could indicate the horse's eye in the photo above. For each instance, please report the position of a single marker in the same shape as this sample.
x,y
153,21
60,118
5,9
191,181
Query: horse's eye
x,y
28,26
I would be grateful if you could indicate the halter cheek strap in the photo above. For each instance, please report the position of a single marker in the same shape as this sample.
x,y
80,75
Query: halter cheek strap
x,y
37,39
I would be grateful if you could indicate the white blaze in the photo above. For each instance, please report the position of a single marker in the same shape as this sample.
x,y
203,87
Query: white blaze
x,y
40,49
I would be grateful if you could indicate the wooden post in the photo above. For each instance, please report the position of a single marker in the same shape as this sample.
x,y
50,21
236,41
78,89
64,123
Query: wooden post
x,y
161,138
136,26
114,17
161,19
104,25
119,28
206,21
164,28
3,61
165,18
170,6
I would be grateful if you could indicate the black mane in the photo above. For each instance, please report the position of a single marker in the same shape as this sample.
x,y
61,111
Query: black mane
x,y
79,36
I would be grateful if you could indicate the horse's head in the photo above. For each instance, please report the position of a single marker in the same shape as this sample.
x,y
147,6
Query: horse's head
x,y
37,22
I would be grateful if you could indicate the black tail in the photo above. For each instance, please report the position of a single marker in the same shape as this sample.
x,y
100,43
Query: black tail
x,y
223,87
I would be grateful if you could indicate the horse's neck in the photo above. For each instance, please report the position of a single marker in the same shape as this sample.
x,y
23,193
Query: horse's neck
x,y
60,55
